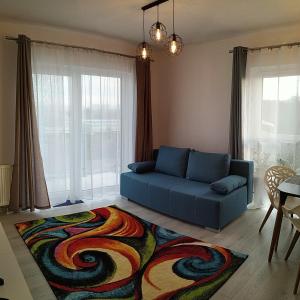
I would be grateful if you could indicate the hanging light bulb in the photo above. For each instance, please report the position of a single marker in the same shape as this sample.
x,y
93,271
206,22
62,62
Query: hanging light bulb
x,y
158,32
144,50
174,42
173,46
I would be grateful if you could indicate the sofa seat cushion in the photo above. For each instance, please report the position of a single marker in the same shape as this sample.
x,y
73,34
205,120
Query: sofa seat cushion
x,y
151,189
198,203
172,161
207,167
191,188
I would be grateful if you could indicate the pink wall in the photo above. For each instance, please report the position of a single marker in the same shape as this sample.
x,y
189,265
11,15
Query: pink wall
x,y
192,107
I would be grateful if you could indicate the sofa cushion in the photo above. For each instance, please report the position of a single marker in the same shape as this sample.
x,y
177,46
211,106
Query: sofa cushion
x,y
172,161
207,167
142,167
228,184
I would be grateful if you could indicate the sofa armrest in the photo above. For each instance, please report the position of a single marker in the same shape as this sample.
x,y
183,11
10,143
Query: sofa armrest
x,y
244,168
142,167
155,154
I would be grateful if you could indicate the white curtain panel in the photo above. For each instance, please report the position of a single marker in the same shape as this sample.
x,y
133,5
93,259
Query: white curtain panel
x,y
271,109
85,102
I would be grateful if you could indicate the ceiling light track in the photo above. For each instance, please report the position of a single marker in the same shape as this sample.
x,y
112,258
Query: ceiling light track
x,y
153,4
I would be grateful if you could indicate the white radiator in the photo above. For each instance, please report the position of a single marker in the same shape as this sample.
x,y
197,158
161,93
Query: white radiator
x,y
5,181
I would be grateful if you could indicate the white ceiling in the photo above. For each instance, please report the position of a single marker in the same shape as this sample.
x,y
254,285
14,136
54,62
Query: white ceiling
x,y
196,20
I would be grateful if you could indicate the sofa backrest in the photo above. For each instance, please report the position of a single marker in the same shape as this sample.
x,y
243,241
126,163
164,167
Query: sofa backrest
x,y
207,167
244,168
172,161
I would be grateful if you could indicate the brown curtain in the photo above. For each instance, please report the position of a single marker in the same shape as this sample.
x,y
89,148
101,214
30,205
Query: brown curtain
x,y
28,189
144,143
239,62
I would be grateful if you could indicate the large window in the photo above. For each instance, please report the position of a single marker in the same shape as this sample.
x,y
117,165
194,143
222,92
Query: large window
x,y
271,109
101,133
85,110
281,98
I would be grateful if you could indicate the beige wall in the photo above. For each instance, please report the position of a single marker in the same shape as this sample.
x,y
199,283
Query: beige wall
x,y
8,52
192,108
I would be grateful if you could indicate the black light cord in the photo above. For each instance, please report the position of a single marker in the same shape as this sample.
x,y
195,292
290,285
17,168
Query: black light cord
x,y
173,18
144,25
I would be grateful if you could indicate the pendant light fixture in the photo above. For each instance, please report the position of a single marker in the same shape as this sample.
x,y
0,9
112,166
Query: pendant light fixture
x,y
174,42
144,50
158,32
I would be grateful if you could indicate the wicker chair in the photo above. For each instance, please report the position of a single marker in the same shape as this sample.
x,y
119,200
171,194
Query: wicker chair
x,y
273,177
296,222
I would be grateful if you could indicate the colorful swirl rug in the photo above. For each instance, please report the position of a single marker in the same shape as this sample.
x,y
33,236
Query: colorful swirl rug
x,y
108,253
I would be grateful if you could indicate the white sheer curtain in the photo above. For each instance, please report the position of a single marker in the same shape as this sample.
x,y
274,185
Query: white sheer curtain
x,y
271,109
85,104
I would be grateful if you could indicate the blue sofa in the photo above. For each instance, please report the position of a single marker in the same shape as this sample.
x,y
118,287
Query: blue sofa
x,y
207,189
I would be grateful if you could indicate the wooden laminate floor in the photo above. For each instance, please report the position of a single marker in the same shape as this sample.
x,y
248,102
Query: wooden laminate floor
x,y
256,279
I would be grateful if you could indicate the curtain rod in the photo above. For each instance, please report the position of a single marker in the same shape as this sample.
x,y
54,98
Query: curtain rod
x,y
10,38
271,46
